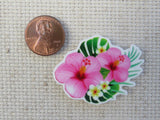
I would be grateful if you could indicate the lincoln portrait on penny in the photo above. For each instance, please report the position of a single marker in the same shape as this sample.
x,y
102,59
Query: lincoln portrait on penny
x,y
44,29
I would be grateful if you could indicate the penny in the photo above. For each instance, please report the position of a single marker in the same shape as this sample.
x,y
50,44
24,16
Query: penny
x,y
44,35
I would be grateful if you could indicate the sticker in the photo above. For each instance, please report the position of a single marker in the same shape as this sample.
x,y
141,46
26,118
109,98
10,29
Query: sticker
x,y
97,71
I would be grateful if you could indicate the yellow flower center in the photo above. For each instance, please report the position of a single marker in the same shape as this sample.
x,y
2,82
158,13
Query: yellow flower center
x,y
95,91
104,86
82,70
101,50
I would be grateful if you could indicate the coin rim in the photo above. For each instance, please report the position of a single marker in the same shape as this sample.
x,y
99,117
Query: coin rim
x,y
29,24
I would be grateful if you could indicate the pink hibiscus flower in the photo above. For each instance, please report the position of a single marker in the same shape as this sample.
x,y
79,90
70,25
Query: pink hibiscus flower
x,y
78,73
117,64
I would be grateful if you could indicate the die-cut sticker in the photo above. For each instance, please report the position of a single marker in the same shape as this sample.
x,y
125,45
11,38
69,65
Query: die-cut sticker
x,y
97,70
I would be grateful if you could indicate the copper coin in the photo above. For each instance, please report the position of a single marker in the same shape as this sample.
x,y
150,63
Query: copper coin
x,y
44,35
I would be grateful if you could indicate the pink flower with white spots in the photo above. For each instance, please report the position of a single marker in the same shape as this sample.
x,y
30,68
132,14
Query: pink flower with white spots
x,y
117,64
77,73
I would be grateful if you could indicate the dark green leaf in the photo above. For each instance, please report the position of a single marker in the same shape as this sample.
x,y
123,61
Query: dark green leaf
x,y
94,101
95,42
89,46
102,99
87,98
83,49
107,95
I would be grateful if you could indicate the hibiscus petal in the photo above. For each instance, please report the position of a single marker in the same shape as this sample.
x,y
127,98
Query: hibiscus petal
x,y
64,72
109,76
108,57
74,59
120,75
75,88
114,53
104,59
126,64
93,78
95,65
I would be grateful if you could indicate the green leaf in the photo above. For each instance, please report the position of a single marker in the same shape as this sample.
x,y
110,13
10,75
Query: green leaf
x,y
134,54
87,98
103,42
140,62
102,99
132,50
119,83
94,101
129,54
131,71
117,91
95,42
107,95
104,72
83,49
108,46
135,57
89,46
113,87
132,75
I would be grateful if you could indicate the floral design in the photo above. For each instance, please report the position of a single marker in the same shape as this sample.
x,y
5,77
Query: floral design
x,y
117,63
95,92
97,71
104,85
100,50
77,73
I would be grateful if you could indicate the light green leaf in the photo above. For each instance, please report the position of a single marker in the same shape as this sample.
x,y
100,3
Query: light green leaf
x,y
104,72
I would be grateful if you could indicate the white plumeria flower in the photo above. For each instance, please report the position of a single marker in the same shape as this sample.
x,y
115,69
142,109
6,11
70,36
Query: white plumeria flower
x,y
101,50
95,92
104,85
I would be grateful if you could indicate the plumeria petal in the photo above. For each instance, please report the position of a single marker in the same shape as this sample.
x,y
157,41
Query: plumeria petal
x,y
64,72
95,98
108,88
75,88
97,51
120,75
89,93
101,82
100,94
91,86
107,82
104,90
99,87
